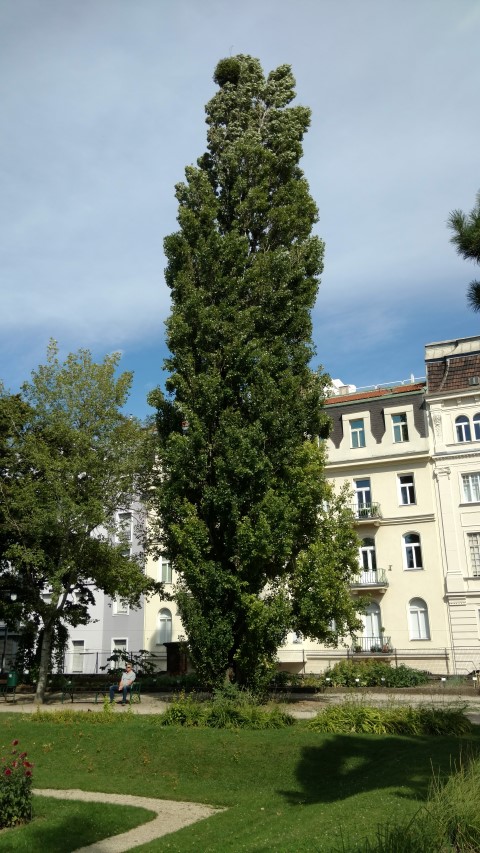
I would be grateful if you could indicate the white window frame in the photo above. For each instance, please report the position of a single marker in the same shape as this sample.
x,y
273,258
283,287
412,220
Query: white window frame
x,y
357,433
471,487
476,426
415,549
164,569
120,607
367,555
167,621
406,490
463,430
400,427
76,644
473,548
418,621
362,490
116,648
125,525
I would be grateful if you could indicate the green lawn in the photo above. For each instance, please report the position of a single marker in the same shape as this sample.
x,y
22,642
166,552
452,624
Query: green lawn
x,y
286,790
61,826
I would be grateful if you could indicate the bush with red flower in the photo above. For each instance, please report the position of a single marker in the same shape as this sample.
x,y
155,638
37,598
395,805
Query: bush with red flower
x,y
15,786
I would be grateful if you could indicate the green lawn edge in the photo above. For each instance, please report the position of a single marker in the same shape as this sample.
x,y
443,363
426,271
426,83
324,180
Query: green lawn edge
x,y
66,825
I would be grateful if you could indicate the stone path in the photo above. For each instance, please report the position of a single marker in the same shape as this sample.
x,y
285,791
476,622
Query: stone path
x,y
170,817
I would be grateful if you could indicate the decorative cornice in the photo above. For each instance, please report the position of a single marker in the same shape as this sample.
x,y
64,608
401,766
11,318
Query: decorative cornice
x,y
442,457
379,460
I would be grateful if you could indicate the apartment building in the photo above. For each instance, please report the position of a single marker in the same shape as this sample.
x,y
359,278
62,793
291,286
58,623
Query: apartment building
x,y
380,447
114,626
453,400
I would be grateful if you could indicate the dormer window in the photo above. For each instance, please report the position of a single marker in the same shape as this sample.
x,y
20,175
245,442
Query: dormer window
x,y
400,427
357,432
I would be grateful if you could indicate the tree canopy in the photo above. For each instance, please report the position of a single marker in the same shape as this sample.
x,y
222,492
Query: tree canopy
x,y
466,238
68,462
246,514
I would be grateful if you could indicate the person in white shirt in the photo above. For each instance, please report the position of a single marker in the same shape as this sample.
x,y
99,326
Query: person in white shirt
x,y
124,685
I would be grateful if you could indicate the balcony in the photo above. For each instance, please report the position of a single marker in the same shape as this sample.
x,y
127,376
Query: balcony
x,y
367,511
370,580
380,645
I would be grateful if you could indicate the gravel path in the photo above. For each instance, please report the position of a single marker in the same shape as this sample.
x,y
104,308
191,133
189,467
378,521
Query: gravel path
x,y
170,816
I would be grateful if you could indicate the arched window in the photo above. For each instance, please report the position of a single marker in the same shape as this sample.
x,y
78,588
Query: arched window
x,y
462,425
413,551
418,619
164,627
476,427
368,559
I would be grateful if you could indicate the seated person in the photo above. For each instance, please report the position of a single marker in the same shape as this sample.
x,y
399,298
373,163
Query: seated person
x,y
124,685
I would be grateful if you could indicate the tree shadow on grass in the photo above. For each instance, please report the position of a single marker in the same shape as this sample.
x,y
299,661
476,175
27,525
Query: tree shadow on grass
x,y
344,765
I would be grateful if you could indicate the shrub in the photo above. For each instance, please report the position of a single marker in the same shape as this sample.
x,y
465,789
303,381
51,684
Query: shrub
x,y
355,717
373,673
223,712
15,787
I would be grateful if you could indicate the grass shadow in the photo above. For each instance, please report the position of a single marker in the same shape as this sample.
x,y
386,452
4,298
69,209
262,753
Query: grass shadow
x,y
343,766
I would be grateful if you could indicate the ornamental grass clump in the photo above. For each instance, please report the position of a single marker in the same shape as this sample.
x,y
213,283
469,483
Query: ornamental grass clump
x,y
449,822
15,787
357,718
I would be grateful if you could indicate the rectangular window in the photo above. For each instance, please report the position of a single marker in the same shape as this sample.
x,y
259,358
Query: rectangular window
x,y
400,427
164,570
363,494
120,607
474,548
78,648
357,432
125,525
406,488
471,488
119,646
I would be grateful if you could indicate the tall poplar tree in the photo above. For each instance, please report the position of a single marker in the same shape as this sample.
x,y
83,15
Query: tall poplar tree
x,y
259,541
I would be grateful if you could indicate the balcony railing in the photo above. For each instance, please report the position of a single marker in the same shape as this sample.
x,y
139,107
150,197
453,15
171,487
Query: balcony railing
x,y
380,644
377,578
365,511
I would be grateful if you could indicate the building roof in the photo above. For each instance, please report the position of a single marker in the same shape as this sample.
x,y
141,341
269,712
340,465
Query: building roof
x,y
376,392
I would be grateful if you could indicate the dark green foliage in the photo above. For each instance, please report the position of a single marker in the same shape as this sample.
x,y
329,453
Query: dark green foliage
x,y
354,717
466,238
224,712
372,673
69,459
259,541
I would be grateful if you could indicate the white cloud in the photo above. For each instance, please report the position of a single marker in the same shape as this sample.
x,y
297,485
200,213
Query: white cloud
x,y
103,106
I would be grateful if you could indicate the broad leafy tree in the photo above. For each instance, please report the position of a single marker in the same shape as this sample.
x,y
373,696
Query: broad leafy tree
x,y
260,543
68,463
466,238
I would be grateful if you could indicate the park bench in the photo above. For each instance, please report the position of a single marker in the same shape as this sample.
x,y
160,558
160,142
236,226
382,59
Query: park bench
x,y
73,690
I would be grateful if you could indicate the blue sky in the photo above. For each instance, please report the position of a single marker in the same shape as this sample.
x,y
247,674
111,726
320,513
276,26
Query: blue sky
x,y
103,107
